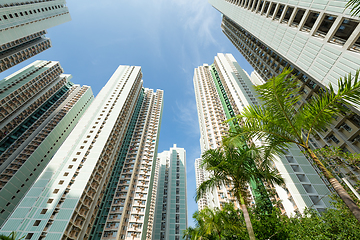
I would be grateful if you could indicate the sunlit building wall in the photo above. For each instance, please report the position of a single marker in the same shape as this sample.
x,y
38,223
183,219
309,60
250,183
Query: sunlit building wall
x,y
200,177
320,40
304,187
171,208
65,201
23,27
39,107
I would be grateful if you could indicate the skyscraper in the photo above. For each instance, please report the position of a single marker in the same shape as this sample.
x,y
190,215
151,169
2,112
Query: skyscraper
x,y
171,208
98,185
23,25
39,107
222,90
200,177
319,40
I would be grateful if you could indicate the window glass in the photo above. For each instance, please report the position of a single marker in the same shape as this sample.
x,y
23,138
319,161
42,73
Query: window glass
x,y
280,11
272,9
325,25
267,4
309,23
299,15
344,31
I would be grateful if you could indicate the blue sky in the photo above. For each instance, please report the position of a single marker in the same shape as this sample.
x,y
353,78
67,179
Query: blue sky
x,y
167,38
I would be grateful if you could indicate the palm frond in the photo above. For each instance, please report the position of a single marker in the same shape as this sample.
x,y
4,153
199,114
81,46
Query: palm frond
x,y
355,7
208,185
318,113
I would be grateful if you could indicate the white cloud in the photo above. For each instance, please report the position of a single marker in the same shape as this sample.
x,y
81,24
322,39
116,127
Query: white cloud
x,y
186,116
199,17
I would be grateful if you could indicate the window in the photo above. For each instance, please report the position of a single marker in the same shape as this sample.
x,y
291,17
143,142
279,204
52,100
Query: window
x,y
272,9
325,25
177,218
66,174
299,15
29,236
267,4
310,21
344,31
56,191
346,127
280,11
37,222
70,166
260,6
43,211
61,182
50,200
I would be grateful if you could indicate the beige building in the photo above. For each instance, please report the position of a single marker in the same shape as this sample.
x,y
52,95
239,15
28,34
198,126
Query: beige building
x,y
222,90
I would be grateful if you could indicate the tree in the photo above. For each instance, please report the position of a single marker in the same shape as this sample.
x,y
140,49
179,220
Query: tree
x,y
355,7
230,166
333,224
211,224
279,123
212,221
12,236
192,233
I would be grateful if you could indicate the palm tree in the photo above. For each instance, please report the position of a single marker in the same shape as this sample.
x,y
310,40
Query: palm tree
x,y
211,221
231,166
12,236
279,123
192,233
355,7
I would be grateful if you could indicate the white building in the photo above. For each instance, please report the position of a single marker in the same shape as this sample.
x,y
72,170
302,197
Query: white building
x,y
108,155
222,90
23,25
318,39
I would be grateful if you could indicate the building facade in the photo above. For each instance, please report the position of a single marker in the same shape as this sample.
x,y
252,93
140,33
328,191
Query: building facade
x,y
23,25
318,39
171,199
200,177
222,90
97,185
39,107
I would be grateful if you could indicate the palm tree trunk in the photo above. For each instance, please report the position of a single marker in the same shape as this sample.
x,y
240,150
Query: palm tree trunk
x,y
337,186
246,217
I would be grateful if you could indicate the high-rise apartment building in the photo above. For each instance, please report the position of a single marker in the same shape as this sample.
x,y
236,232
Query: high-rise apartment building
x,y
39,107
320,40
171,208
222,90
98,185
23,25
200,177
